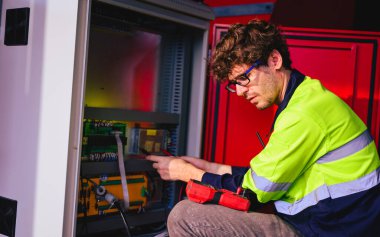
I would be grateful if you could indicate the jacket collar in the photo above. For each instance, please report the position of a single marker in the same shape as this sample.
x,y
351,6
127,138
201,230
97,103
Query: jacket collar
x,y
296,78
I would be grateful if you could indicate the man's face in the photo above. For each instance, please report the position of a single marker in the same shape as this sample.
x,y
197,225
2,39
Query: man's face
x,y
263,89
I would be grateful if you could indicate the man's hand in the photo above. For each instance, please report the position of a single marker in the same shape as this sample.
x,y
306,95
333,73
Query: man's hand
x,y
174,168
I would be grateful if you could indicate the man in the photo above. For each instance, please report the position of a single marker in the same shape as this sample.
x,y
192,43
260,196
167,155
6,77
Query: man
x,y
320,166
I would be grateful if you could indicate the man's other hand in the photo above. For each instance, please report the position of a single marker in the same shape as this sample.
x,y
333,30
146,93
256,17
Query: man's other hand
x,y
175,168
208,166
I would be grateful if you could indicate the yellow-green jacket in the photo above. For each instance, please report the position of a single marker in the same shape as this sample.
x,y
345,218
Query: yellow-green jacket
x,y
318,164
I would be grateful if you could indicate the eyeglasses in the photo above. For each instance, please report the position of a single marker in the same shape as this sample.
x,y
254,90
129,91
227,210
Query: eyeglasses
x,y
241,80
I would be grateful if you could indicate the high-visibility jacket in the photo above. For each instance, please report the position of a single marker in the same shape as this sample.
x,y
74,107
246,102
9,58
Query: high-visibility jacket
x,y
320,165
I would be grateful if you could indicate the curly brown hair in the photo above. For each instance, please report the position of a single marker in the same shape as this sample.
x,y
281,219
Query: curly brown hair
x,y
246,43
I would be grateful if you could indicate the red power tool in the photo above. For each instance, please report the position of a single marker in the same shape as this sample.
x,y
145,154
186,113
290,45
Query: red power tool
x,y
203,193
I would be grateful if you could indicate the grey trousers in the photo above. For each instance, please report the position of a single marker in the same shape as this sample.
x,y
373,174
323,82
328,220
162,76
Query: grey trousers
x,y
192,219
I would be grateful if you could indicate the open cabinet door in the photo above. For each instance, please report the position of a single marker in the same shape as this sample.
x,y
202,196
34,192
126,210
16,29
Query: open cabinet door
x,y
347,63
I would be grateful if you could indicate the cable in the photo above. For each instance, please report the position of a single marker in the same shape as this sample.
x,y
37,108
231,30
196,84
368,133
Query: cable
x,y
113,201
152,189
122,169
260,139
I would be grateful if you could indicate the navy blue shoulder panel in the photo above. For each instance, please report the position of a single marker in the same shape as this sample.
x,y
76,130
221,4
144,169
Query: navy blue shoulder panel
x,y
296,78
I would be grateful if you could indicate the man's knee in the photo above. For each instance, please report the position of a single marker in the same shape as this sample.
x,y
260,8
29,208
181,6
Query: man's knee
x,y
179,217
180,211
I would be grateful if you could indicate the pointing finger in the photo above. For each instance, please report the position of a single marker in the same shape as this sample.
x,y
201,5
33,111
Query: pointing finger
x,y
154,158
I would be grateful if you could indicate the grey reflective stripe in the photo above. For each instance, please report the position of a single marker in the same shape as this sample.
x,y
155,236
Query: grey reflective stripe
x,y
334,191
347,149
267,185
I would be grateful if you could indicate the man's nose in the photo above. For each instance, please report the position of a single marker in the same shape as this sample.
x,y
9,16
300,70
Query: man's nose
x,y
240,90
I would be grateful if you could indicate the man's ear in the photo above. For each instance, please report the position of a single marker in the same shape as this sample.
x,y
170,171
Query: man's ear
x,y
275,60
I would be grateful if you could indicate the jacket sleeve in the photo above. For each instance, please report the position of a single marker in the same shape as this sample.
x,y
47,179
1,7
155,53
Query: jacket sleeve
x,y
226,181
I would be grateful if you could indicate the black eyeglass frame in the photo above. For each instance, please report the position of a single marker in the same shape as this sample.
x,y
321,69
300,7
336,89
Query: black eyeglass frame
x,y
244,78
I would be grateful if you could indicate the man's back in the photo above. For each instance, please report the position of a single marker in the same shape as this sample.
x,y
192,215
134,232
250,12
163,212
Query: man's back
x,y
336,186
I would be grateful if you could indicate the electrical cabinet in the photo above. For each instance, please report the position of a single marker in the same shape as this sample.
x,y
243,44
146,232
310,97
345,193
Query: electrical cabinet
x,y
143,90
346,62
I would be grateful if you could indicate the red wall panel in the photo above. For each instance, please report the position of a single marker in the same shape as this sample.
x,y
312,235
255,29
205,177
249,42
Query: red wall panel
x,y
222,126
232,123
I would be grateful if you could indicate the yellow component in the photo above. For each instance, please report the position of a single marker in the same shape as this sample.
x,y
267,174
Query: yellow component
x,y
151,132
148,146
157,147
137,186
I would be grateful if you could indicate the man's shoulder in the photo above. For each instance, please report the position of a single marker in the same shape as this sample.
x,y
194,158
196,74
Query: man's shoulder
x,y
313,90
